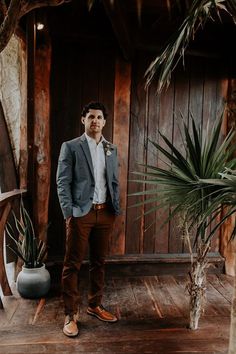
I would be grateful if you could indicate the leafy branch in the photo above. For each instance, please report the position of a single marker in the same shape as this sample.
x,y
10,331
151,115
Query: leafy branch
x,y
199,12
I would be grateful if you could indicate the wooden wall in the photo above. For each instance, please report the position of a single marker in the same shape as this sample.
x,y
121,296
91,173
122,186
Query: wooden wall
x,y
199,90
81,74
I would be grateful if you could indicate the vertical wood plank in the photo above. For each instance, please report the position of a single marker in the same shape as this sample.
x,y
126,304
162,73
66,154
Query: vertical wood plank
x,y
42,135
107,77
134,229
62,128
196,91
90,78
151,229
121,139
163,241
181,110
73,92
211,78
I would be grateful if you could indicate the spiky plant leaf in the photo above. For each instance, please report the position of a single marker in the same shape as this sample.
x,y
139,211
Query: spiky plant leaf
x,y
25,245
180,186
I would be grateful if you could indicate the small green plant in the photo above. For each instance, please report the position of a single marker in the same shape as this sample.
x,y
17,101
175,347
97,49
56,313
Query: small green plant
x,y
27,247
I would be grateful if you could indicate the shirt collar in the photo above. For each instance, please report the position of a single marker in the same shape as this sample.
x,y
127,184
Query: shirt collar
x,y
91,140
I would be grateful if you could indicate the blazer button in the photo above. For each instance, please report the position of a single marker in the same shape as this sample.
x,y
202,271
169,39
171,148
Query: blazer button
x,y
92,185
91,198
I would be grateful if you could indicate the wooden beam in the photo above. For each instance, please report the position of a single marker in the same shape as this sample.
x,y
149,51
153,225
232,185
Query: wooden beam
x,y
42,132
228,246
117,17
121,139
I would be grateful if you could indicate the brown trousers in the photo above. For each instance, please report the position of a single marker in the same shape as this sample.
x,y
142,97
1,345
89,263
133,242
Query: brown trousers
x,y
94,230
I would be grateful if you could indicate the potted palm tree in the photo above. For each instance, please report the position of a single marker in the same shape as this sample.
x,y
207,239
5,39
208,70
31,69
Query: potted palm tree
x,y
178,188
33,281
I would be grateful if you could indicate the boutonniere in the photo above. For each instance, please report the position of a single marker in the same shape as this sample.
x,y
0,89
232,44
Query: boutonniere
x,y
107,148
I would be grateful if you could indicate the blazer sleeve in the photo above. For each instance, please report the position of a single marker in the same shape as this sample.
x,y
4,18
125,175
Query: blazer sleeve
x,y
64,180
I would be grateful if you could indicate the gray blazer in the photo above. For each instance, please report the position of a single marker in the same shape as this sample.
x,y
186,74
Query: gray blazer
x,y
75,177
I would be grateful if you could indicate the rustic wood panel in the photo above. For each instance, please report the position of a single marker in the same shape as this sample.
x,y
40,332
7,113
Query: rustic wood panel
x,y
197,90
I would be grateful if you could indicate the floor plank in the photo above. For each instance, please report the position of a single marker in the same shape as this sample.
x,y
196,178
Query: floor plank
x,y
153,318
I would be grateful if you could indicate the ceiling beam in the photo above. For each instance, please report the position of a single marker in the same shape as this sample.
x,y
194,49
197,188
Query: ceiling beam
x,y
118,19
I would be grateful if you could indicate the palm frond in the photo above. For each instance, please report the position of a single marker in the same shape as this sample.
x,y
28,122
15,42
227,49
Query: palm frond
x,y
188,187
198,14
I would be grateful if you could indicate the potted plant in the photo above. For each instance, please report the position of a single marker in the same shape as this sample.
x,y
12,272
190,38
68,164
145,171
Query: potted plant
x,y
179,188
33,281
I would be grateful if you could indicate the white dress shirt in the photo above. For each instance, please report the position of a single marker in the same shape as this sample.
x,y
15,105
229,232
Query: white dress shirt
x,y
99,168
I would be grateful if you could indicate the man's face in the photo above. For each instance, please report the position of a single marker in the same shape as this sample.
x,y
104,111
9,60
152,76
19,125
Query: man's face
x,y
93,122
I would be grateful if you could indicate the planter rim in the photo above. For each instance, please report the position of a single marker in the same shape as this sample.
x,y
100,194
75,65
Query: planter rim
x,y
33,268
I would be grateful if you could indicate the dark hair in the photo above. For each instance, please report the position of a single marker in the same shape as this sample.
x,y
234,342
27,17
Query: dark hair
x,y
94,105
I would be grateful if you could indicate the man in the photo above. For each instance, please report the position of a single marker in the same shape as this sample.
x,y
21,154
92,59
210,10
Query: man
x,y
88,191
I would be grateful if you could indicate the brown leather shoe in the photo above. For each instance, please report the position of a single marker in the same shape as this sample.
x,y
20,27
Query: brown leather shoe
x,y
70,328
101,314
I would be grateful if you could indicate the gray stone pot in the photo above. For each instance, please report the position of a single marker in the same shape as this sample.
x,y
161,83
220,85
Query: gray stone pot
x,y
33,283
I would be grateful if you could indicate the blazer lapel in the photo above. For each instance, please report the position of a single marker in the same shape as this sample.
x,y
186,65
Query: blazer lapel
x,y
87,154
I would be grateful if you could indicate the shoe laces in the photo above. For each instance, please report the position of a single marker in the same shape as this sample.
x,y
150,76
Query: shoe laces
x,y
101,307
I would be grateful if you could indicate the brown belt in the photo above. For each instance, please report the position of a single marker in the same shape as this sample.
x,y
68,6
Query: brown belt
x,y
99,206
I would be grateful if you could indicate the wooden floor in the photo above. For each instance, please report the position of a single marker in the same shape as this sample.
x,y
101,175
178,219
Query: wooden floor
x,y
153,313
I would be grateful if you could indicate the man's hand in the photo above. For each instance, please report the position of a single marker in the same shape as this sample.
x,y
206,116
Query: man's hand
x,y
68,219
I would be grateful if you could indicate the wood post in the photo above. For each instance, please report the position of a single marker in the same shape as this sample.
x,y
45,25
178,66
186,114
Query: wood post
x,y
121,139
227,247
38,124
42,133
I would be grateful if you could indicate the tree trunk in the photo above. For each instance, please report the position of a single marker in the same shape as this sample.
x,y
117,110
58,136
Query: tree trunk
x,y
197,285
